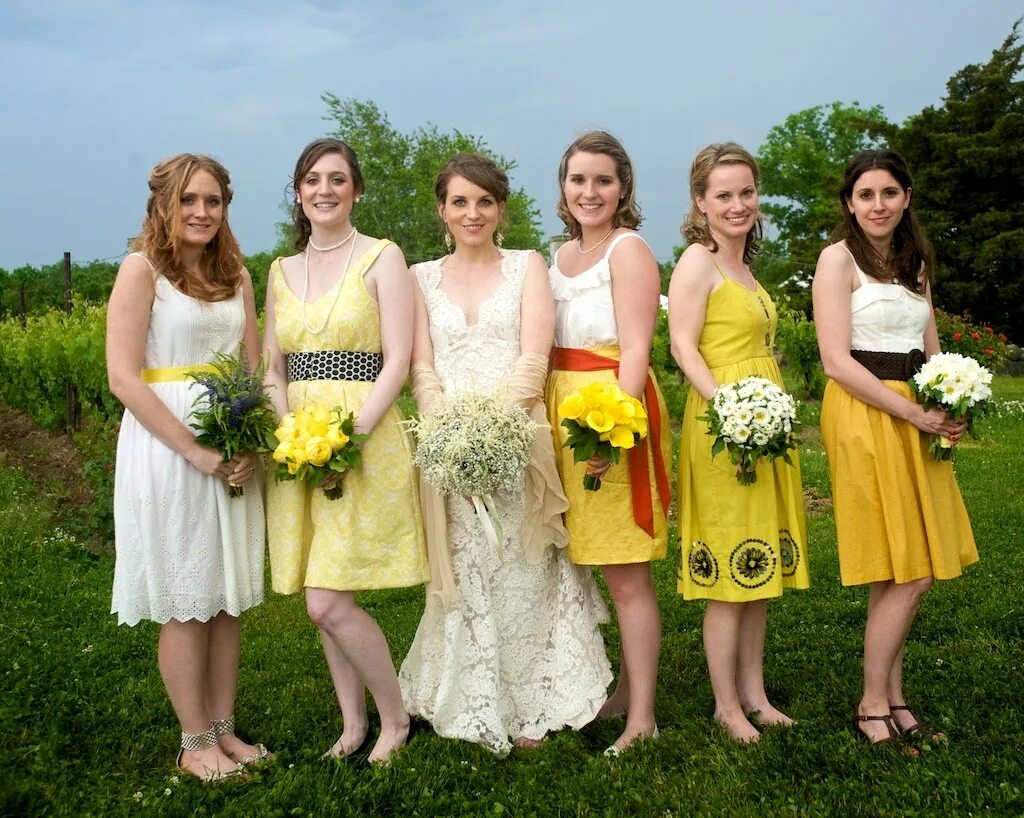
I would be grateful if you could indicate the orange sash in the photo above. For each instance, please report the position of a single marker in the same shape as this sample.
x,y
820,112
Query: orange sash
x,y
584,360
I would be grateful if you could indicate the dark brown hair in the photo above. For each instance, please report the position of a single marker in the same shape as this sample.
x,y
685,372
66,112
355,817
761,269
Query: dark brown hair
x,y
628,212
220,266
695,227
912,252
475,168
310,155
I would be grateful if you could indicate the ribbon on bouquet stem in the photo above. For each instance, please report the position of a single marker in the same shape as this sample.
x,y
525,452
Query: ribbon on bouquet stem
x,y
484,506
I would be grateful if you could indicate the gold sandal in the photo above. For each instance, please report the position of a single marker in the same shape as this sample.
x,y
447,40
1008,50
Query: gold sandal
x,y
193,742
226,727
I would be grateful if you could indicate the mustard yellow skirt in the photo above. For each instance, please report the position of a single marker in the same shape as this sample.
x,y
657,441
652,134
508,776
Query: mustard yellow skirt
x,y
899,513
600,523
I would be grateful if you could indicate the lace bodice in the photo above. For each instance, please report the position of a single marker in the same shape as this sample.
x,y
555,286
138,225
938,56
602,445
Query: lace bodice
x,y
492,343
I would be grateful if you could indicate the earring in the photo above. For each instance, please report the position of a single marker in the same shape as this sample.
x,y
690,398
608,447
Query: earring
x,y
297,199
499,238
447,239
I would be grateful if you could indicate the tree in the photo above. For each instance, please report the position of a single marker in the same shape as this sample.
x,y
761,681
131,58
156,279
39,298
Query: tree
x,y
967,157
399,171
802,164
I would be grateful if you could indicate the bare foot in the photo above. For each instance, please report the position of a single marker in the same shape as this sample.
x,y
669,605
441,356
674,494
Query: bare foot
x,y
210,763
738,727
351,740
614,707
631,734
240,751
392,739
764,714
524,743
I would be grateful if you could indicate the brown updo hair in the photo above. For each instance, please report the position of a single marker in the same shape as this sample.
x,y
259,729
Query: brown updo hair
x,y
220,266
628,212
695,226
912,253
476,168
310,155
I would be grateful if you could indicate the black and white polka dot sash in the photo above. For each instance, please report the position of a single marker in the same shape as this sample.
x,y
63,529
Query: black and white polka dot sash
x,y
334,365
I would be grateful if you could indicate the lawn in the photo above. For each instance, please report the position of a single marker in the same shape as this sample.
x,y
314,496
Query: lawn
x,y
85,727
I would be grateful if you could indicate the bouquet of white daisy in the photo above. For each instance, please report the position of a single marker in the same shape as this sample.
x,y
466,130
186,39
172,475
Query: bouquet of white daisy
x,y
475,446
958,384
751,419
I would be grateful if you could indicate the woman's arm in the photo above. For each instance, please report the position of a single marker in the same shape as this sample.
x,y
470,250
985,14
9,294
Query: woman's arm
x,y
693,280
636,287
128,312
831,291
277,376
388,282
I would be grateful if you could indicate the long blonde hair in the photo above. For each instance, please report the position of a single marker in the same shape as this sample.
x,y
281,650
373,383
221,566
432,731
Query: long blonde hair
x,y
220,266
695,227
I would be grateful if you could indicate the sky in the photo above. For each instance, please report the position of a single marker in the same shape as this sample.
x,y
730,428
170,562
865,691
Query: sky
x,y
93,93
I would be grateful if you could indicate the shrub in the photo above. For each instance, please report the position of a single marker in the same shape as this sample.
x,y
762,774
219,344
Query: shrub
x,y
798,346
957,333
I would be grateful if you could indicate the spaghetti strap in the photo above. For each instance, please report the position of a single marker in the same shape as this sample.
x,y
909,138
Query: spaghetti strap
x,y
721,272
145,258
620,237
861,275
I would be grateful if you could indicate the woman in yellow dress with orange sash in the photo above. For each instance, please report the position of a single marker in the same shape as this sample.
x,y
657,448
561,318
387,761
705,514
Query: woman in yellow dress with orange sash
x,y
900,520
339,333
605,310
739,544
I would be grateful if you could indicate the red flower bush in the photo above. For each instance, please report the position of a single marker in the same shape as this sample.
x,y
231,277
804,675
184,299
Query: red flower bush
x,y
958,334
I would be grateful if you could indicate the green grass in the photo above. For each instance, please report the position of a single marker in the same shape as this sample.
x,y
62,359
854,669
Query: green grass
x,y
85,726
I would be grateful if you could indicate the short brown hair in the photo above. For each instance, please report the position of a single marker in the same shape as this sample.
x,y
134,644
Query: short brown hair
x,y
628,212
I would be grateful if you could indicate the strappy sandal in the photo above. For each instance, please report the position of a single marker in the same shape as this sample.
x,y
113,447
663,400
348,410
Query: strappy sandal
x,y
193,742
919,730
226,727
894,736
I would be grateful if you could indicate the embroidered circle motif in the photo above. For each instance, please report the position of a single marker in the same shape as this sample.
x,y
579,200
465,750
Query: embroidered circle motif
x,y
789,551
702,565
752,563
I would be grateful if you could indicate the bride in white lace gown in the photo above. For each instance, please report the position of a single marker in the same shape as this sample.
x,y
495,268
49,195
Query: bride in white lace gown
x,y
508,648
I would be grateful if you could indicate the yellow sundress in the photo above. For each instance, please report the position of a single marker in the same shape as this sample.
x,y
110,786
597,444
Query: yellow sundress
x,y
371,537
737,543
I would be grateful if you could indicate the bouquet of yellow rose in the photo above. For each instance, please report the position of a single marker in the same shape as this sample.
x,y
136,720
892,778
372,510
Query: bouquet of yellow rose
x,y
315,442
602,420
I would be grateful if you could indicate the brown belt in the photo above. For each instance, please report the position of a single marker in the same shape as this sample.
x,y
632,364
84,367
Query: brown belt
x,y
890,366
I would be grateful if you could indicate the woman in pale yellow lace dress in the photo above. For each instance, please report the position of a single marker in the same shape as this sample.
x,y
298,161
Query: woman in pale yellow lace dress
x,y
339,318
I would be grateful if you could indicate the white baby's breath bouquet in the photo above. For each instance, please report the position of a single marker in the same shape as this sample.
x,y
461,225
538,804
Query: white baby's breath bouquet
x,y
958,384
476,446
751,419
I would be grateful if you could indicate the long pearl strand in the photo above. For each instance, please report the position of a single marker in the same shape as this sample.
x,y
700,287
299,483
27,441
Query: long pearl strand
x,y
341,282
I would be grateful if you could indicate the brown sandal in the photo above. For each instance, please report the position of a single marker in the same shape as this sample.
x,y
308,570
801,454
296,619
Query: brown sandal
x,y
894,736
919,730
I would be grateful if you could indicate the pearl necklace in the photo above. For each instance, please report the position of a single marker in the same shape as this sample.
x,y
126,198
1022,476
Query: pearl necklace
x,y
583,252
333,246
341,282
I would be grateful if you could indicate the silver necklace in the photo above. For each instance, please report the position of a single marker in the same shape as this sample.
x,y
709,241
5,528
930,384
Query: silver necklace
x,y
337,293
333,246
583,252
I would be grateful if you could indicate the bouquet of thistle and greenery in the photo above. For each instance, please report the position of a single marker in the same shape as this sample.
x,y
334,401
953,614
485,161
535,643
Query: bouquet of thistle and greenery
x,y
751,419
958,384
233,413
475,446
602,421
315,442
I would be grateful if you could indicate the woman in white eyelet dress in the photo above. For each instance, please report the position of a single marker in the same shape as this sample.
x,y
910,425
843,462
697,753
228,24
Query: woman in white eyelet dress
x,y
518,652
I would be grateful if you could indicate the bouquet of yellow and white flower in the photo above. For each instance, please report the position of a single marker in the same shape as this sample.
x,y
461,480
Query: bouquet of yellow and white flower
x,y
315,442
475,446
751,419
602,420
958,384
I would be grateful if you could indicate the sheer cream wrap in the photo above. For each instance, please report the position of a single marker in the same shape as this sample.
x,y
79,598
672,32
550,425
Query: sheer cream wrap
x,y
545,500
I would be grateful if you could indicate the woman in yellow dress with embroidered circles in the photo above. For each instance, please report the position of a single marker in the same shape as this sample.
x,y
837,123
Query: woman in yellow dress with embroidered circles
x,y
339,318
739,545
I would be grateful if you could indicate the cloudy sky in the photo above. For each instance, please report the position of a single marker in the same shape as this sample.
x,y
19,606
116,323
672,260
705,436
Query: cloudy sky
x,y
94,92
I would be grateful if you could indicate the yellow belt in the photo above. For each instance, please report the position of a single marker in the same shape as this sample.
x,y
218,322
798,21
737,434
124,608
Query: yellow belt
x,y
167,374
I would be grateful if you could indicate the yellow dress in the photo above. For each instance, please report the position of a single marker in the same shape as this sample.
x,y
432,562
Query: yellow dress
x,y
899,513
371,537
737,543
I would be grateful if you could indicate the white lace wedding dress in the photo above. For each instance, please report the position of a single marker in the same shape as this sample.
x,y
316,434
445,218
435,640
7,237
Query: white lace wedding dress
x,y
519,654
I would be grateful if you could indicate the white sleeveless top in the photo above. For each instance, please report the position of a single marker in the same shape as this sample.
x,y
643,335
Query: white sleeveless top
x,y
886,317
584,312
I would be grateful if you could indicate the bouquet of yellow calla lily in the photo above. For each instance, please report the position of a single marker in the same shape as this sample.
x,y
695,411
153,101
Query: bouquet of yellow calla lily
x,y
314,442
602,420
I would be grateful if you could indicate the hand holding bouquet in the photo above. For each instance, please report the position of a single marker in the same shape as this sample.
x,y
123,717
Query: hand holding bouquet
x,y
475,446
958,384
602,421
314,443
751,419
234,413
